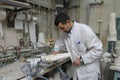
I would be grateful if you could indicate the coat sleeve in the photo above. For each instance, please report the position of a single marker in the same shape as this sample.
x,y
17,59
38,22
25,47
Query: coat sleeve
x,y
94,47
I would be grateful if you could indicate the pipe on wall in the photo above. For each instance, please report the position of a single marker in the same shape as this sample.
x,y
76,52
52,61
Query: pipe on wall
x,y
88,9
88,14
59,6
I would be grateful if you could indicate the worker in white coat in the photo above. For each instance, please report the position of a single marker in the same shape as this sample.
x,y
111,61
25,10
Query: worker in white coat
x,y
83,44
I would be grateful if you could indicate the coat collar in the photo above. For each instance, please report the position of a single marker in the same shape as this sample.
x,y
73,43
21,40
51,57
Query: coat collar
x,y
73,28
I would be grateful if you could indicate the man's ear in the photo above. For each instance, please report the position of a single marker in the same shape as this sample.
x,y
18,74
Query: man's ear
x,y
68,21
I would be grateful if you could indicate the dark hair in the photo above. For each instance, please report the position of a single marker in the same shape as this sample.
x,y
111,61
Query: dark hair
x,y
61,17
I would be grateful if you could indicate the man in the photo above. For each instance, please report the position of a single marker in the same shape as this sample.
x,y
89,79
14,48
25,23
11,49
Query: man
x,y
82,43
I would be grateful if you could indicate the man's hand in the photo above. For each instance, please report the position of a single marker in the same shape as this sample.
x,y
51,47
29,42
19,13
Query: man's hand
x,y
55,52
77,62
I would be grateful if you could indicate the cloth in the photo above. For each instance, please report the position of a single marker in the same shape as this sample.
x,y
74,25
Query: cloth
x,y
82,41
112,32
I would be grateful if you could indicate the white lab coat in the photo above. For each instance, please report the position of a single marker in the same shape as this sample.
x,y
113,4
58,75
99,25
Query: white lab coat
x,y
82,42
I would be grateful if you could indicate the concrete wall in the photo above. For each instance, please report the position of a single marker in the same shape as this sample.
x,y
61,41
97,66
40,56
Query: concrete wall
x,y
10,36
46,21
99,12
45,24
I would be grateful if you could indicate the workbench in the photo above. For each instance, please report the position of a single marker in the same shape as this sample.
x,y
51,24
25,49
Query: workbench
x,y
116,70
13,71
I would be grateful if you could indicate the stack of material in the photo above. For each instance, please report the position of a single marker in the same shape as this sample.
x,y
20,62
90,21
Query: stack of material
x,y
57,57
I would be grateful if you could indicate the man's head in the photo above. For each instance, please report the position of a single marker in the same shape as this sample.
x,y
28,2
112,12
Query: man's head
x,y
63,22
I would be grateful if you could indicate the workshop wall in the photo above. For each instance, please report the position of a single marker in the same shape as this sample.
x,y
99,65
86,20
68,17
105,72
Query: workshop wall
x,y
10,36
99,16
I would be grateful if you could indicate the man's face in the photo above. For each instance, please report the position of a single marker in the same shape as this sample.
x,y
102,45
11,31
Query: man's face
x,y
65,27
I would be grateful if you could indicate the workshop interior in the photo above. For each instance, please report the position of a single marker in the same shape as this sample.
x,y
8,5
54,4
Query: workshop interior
x,y
28,36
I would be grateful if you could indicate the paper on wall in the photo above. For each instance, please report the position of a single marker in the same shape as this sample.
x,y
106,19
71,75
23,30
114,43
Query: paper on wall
x,y
18,24
26,27
1,31
32,32
19,21
112,28
2,17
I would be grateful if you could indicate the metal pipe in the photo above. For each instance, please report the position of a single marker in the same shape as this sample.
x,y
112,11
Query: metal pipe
x,y
88,9
15,3
59,6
